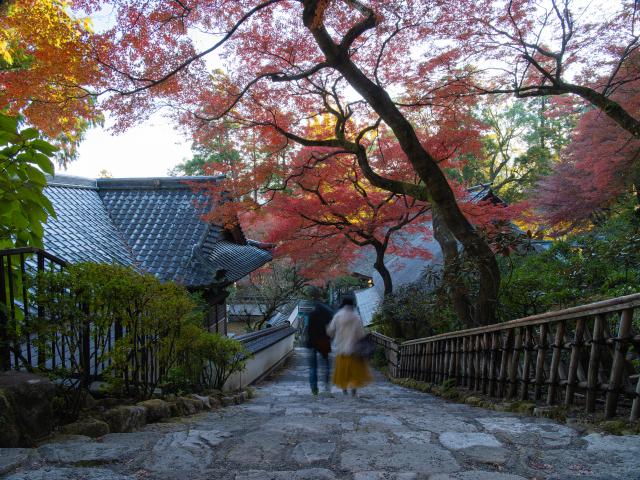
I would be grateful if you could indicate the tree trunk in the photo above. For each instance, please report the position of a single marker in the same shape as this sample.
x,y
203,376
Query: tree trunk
x,y
424,164
383,271
459,292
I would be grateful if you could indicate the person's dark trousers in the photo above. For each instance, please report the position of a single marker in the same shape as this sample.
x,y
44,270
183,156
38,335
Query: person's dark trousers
x,y
313,370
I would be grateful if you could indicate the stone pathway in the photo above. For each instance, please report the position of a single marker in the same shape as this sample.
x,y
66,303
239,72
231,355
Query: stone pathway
x,y
389,433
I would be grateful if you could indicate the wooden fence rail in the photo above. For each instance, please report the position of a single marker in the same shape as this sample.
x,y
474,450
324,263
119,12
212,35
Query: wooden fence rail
x,y
588,354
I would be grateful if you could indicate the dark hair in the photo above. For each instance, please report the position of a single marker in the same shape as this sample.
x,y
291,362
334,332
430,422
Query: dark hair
x,y
348,301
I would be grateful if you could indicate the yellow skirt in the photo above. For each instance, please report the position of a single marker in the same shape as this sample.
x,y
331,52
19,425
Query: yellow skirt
x,y
351,372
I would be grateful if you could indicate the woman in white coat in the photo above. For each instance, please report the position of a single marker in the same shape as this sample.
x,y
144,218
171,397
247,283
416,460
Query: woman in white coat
x,y
351,370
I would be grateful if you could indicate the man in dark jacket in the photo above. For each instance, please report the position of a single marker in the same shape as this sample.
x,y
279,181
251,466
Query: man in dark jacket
x,y
319,344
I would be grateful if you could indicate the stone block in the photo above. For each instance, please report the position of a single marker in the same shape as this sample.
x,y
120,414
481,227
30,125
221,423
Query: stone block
x,y
204,400
157,409
26,413
214,402
90,427
126,418
185,406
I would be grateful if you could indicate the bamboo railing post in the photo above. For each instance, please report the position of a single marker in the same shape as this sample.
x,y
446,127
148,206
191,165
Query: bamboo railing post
x,y
412,362
526,372
492,364
477,378
442,361
617,368
464,364
485,360
434,361
468,366
445,361
507,343
513,366
542,350
594,363
428,358
555,363
576,349
423,361
453,362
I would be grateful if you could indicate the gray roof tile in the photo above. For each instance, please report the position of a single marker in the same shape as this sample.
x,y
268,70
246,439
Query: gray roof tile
x,y
154,224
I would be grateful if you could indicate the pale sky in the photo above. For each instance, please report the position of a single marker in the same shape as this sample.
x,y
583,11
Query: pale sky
x,y
146,150
149,149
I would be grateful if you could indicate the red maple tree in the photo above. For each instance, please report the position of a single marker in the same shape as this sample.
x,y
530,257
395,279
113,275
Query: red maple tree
x,y
333,203
598,167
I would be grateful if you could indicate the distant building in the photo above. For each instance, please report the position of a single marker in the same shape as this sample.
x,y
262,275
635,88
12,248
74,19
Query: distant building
x,y
155,226
405,270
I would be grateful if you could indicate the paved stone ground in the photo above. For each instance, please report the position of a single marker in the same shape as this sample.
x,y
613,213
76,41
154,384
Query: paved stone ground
x,y
389,433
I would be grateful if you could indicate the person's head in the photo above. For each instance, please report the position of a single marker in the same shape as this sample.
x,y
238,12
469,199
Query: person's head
x,y
348,301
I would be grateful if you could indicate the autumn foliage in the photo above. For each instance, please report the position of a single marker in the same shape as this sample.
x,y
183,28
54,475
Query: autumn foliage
x,y
46,63
382,91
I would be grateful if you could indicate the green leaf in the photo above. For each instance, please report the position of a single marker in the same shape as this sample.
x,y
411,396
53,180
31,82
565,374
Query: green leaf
x,y
8,124
44,147
29,134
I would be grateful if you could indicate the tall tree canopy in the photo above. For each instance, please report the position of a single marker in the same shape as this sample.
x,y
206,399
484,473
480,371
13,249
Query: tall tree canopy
x,y
379,70
362,64
45,64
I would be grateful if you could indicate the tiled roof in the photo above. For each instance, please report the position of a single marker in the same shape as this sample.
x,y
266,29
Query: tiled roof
x,y
153,224
83,230
407,270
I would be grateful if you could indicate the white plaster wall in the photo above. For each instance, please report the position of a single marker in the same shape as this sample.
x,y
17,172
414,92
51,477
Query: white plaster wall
x,y
261,363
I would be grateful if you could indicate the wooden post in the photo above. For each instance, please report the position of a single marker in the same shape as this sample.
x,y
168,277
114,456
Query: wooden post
x,y
477,378
594,363
441,360
513,367
555,363
485,360
576,349
5,351
507,342
526,368
444,366
454,364
617,369
428,357
464,362
542,350
41,344
492,364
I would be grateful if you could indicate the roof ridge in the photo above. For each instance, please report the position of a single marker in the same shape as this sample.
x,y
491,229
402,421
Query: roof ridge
x,y
153,182
63,180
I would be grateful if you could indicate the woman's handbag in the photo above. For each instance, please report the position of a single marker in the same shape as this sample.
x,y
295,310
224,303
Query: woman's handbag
x,y
364,347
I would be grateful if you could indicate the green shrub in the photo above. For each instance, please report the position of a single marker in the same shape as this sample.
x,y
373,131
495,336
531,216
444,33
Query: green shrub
x,y
205,361
149,318
586,267
414,311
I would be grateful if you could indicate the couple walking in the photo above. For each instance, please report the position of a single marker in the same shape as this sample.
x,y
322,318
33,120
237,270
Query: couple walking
x,y
346,329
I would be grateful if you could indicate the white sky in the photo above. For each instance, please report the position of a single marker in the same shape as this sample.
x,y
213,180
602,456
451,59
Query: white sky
x,y
149,149
146,150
